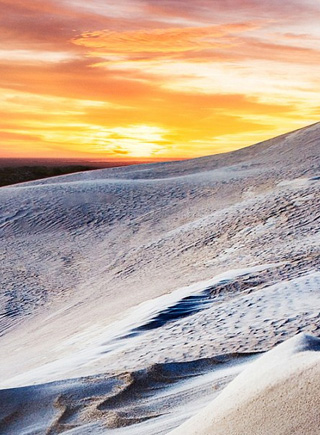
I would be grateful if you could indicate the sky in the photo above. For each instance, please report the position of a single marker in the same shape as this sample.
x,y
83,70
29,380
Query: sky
x,y
156,79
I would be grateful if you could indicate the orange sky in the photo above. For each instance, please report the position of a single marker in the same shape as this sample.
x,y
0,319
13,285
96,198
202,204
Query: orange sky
x,y
106,79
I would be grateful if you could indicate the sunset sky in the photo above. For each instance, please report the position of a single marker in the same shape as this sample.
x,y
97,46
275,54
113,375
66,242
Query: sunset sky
x,y
107,79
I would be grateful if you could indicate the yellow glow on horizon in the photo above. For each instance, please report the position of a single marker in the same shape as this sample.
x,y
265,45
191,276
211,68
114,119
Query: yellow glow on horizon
x,y
175,81
130,141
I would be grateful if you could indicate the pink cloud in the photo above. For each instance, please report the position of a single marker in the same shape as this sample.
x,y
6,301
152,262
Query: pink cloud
x,y
167,40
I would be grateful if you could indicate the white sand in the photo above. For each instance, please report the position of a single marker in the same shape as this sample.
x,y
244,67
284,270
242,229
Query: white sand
x,y
88,261
277,394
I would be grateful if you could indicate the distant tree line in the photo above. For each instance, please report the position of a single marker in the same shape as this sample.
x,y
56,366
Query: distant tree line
x,y
20,174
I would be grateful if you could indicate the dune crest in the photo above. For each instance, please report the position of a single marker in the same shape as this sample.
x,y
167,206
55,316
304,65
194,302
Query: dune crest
x,y
277,394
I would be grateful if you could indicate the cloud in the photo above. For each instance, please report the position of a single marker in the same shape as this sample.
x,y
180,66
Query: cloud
x,y
192,72
273,52
6,136
170,40
207,10
38,24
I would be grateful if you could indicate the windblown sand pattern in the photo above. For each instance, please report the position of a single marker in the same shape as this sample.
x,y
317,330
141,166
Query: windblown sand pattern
x,y
132,296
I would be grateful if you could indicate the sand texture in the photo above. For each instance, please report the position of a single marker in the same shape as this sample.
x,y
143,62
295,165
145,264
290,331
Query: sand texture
x,y
131,297
277,394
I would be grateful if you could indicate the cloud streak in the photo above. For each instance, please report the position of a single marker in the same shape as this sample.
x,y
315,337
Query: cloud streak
x,y
169,40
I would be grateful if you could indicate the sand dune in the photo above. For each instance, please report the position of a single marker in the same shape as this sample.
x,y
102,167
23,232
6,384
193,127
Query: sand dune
x,y
129,400
277,394
118,270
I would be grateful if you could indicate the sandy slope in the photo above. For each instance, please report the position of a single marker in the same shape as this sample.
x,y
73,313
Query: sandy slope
x,y
152,400
277,394
115,270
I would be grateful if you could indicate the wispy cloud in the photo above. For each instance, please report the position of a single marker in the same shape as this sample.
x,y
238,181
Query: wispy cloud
x,y
168,40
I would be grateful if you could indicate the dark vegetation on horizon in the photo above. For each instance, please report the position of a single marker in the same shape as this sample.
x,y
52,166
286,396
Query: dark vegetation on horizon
x,y
20,174
15,171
